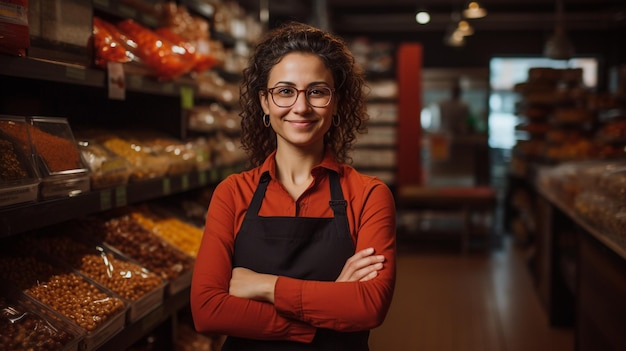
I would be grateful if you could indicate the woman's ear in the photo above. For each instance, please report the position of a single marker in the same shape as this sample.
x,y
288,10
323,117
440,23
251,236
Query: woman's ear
x,y
263,98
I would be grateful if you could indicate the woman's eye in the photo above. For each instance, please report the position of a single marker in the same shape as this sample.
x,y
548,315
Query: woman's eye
x,y
318,92
285,91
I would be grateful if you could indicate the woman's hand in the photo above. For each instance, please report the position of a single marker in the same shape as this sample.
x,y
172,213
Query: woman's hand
x,y
249,284
362,266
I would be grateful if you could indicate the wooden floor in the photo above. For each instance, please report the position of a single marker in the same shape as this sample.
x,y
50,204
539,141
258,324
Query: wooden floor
x,y
485,301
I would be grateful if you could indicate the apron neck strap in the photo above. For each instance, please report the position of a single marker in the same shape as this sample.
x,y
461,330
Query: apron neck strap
x,y
337,201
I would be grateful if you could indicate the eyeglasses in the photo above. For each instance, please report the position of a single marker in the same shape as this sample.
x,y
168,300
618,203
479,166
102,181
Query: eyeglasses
x,y
285,96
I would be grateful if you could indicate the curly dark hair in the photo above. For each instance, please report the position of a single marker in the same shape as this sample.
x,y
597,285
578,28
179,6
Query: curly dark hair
x,y
259,141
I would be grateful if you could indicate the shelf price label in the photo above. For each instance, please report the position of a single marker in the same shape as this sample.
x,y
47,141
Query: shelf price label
x,y
120,196
186,97
184,182
215,175
202,179
116,82
167,186
75,73
105,200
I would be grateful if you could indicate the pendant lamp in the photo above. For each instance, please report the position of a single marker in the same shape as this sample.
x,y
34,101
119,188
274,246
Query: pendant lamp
x,y
474,10
558,46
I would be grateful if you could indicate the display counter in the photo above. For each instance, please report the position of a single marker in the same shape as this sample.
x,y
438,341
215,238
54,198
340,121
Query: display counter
x,y
580,269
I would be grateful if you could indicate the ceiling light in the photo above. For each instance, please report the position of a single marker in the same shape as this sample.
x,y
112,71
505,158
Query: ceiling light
x,y
464,28
454,39
559,47
422,17
474,10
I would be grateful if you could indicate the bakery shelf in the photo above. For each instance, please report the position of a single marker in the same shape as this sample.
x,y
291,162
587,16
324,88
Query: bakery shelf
x,y
24,217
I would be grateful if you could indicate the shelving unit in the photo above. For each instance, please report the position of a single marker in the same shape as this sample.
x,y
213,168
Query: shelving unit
x,y
50,88
18,218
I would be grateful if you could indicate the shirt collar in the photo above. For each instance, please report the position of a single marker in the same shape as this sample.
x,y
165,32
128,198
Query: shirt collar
x,y
328,162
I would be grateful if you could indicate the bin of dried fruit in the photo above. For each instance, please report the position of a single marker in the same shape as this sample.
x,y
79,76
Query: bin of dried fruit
x,y
60,164
19,182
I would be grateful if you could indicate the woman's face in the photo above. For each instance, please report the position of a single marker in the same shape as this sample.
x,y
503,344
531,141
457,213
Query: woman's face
x,y
300,125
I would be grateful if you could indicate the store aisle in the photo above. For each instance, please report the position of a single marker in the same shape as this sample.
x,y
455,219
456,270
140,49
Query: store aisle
x,y
478,301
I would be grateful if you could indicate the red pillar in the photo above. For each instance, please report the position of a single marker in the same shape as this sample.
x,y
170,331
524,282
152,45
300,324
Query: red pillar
x,y
409,73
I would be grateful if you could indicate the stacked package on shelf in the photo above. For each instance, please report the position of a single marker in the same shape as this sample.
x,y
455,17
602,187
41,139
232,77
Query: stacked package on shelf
x,y
559,121
107,168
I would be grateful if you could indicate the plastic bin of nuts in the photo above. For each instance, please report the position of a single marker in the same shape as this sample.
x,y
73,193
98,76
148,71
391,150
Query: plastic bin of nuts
x,y
184,236
26,324
19,182
125,235
142,289
60,164
96,310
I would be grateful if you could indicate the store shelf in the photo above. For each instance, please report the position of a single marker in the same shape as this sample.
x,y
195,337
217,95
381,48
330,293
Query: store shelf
x,y
137,330
29,216
142,12
136,78
22,67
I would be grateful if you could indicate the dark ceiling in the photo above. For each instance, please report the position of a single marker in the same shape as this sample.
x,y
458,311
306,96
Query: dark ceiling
x,y
397,17
596,27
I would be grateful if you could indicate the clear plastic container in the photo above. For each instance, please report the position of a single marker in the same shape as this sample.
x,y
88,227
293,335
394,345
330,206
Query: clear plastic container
x,y
124,234
29,325
60,164
142,289
19,181
93,308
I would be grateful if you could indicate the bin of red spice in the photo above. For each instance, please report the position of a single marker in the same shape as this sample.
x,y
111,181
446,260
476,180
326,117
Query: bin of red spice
x,y
60,164
19,182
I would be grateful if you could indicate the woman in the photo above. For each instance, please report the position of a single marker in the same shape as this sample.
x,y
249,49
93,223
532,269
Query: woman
x,y
299,252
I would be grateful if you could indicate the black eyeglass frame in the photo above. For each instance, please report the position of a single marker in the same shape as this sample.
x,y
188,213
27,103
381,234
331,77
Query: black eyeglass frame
x,y
270,91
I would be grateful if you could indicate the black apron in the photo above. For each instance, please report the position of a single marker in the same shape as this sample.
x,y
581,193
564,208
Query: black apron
x,y
297,247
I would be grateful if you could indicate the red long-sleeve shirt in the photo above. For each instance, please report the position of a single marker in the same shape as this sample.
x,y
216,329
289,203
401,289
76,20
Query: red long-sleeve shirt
x,y
300,306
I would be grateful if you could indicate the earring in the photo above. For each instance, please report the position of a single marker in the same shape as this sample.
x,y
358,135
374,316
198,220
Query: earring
x,y
266,121
336,120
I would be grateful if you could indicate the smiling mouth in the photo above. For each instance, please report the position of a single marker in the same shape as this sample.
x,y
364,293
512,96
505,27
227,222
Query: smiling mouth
x,y
301,123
